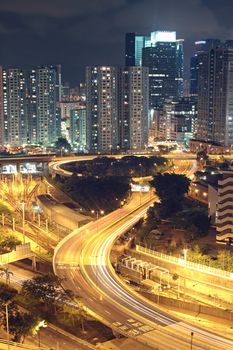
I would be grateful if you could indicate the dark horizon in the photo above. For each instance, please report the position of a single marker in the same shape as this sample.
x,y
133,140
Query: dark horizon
x,y
77,33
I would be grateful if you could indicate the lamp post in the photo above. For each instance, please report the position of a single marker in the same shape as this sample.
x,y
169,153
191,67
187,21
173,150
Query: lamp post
x,y
23,211
185,262
7,326
98,212
191,340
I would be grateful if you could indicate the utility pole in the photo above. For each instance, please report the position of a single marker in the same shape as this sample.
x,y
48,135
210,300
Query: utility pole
x,y
7,327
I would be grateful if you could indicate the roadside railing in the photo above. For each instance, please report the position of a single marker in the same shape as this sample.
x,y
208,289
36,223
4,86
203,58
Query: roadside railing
x,y
186,263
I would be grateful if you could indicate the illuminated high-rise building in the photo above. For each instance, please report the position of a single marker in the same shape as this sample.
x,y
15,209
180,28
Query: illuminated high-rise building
x,y
1,109
47,96
200,46
163,54
165,61
102,108
32,106
78,129
16,107
133,107
215,94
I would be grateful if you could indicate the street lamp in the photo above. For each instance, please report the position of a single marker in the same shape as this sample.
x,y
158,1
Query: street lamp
x,y
185,262
97,217
36,329
191,341
23,210
7,326
98,212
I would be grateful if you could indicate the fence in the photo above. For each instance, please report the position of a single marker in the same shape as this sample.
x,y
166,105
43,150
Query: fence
x,y
21,251
186,263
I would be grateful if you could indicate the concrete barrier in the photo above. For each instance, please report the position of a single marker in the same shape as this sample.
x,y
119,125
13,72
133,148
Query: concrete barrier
x,y
184,305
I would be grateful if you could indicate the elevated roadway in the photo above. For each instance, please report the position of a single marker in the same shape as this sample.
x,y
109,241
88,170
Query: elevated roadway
x,y
82,259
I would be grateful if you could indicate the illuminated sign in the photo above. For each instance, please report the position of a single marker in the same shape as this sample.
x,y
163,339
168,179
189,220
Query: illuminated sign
x,y
163,36
140,188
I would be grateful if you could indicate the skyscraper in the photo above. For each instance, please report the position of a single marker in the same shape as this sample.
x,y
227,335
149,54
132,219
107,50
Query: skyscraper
x,y
133,48
1,109
31,94
163,54
102,108
133,107
78,134
47,99
215,95
200,46
92,108
130,49
16,107
165,75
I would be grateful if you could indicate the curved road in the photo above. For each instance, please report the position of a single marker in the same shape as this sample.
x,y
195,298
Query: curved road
x,y
82,259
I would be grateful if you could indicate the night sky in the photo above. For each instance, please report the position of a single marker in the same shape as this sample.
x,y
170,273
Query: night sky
x,y
77,33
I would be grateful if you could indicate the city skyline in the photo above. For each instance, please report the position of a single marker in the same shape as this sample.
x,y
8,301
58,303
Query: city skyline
x,y
76,33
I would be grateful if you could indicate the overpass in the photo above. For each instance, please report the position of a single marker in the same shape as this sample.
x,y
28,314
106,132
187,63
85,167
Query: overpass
x,y
53,159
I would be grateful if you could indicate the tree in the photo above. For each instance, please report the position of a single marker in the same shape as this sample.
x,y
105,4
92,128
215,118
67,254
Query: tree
x,y
171,189
6,293
5,271
62,144
21,325
46,289
202,157
8,244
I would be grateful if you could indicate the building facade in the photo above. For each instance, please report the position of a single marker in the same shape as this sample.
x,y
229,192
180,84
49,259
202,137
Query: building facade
x,y
16,107
224,213
47,100
102,108
215,95
78,130
2,138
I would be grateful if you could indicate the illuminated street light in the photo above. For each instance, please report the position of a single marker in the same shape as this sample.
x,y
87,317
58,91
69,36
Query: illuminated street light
x,y
23,210
36,330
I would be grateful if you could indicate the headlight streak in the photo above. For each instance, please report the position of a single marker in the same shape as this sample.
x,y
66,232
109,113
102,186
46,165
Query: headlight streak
x,y
98,247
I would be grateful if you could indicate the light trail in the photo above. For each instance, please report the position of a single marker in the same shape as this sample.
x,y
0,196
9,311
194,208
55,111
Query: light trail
x,y
111,299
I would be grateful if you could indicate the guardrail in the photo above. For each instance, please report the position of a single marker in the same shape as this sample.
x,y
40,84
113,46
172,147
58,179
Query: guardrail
x,y
15,346
186,263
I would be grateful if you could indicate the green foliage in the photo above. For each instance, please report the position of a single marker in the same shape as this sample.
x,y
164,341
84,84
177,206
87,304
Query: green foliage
x,y
175,277
4,209
45,288
7,293
62,144
128,166
97,193
4,271
21,325
194,219
171,189
202,156
8,243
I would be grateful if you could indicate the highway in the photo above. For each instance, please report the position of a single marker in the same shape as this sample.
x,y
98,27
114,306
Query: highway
x,y
55,166
83,260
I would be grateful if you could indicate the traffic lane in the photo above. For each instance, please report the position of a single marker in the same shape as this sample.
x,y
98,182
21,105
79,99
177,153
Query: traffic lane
x,y
186,329
112,312
52,339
